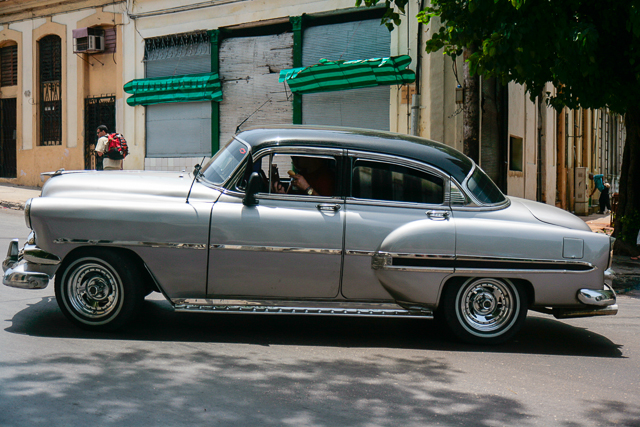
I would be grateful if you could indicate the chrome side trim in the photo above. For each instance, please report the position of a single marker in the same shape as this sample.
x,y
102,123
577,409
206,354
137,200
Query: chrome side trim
x,y
392,204
360,253
414,255
327,308
198,246
385,261
276,249
468,265
571,264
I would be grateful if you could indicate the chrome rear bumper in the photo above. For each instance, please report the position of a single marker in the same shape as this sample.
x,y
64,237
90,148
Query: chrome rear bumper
x,y
29,268
597,302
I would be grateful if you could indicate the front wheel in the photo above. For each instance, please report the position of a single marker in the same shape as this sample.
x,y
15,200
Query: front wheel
x,y
99,289
485,310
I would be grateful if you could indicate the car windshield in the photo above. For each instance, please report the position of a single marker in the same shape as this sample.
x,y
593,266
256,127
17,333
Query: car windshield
x,y
222,165
481,186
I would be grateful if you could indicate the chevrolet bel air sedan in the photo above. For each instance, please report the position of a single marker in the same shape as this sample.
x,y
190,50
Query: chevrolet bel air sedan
x,y
317,221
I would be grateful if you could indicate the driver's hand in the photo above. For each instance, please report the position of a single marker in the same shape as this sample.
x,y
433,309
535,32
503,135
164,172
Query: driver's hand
x,y
299,181
277,187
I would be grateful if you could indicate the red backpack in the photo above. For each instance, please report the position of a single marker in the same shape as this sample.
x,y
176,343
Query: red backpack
x,y
117,148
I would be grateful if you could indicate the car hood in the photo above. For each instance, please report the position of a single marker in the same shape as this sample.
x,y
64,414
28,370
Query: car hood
x,y
551,215
120,185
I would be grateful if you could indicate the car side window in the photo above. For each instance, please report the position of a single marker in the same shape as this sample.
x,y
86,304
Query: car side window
x,y
299,174
383,181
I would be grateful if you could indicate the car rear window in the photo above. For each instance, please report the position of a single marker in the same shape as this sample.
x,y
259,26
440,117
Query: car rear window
x,y
483,188
222,165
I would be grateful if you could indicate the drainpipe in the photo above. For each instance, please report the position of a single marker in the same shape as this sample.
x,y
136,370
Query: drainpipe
x,y
415,112
415,99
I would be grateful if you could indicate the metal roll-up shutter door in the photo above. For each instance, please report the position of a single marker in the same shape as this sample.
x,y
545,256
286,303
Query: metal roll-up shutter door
x,y
249,72
364,108
181,129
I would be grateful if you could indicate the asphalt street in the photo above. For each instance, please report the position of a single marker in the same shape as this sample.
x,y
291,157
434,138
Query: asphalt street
x,y
174,369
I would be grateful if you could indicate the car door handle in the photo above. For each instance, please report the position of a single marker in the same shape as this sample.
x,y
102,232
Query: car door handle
x,y
328,207
438,215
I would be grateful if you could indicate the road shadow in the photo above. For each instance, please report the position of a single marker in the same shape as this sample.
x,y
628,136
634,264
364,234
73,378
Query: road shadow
x,y
209,387
158,322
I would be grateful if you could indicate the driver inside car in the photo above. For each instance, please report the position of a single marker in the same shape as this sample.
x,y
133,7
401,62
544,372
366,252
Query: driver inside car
x,y
310,176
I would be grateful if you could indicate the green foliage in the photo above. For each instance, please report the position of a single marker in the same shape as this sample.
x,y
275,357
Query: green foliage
x,y
588,49
391,18
629,226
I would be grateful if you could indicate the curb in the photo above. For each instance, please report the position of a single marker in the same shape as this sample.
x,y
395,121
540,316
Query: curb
x,y
18,206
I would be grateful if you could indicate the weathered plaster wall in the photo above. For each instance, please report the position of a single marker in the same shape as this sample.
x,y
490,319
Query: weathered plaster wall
x,y
79,80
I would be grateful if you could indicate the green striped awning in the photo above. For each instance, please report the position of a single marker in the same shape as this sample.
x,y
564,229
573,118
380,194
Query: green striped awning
x,y
329,76
186,88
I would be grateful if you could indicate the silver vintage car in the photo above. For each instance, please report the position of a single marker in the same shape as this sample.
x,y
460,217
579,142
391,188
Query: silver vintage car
x,y
313,220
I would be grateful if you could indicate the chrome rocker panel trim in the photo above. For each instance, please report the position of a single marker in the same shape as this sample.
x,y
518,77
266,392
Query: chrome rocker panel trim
x,y
18,267
323,308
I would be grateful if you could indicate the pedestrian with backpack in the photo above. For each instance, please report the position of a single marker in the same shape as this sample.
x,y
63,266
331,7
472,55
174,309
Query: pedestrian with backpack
x,y
112,146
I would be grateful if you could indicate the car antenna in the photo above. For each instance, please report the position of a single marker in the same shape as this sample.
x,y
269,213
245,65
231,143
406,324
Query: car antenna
x,y
196,172
249,116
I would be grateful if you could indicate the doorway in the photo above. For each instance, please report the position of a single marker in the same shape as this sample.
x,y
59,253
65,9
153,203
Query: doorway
x,y
8,165
98,110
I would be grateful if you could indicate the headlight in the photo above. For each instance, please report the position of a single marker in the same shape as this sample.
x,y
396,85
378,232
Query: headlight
x,y
27,213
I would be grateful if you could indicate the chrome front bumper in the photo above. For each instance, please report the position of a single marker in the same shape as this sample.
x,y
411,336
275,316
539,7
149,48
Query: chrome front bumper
x,y
29,268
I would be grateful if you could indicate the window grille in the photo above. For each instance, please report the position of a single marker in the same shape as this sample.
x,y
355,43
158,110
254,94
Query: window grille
x,y
9,66
177,46
50,90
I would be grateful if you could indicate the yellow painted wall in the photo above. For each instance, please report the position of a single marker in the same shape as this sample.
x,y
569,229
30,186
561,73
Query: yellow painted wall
x,y
82,76
7,37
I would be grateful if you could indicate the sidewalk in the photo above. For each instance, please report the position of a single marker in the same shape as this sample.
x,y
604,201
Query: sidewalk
x,y
15,196
627,271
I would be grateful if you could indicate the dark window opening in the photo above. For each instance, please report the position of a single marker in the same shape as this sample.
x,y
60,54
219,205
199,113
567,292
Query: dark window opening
x,y
50,87
516,154
9,66
8,129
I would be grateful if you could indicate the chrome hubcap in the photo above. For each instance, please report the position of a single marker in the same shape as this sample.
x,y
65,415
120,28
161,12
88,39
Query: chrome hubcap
x,y
487,305
93,290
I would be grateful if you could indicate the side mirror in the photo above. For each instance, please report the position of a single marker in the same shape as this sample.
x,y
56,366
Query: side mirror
x,y
253,186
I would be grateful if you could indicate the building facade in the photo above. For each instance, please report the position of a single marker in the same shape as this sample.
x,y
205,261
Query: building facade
x,y
54,96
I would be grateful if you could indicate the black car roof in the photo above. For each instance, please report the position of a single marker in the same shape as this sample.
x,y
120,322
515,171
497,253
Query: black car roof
x,y
439,155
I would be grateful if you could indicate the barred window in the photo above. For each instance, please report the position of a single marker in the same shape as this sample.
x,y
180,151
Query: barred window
x,y
50,87
9,66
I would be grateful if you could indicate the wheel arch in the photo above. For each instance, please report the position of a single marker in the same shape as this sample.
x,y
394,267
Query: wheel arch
x,y
150,283
456,281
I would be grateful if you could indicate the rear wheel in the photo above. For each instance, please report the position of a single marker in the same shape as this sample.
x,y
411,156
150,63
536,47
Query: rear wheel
x,y
485,310
99,289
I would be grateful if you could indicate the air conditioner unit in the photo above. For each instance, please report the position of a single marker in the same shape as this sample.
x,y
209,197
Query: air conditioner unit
x,y
88,40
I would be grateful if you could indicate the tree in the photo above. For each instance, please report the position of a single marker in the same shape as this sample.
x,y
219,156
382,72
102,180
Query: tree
x,y
589,50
